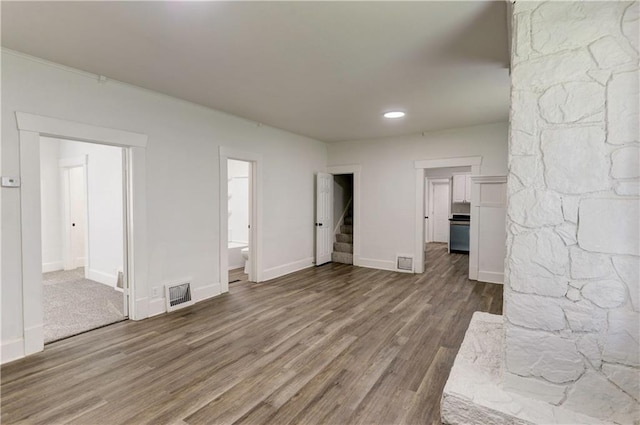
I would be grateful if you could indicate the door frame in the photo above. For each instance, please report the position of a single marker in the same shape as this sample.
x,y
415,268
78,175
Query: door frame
x,y
430,197
65,166
255,214
356,170
420,167
30,128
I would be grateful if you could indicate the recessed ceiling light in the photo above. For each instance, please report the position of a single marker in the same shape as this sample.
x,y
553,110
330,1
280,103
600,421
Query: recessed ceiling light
x,y
394,114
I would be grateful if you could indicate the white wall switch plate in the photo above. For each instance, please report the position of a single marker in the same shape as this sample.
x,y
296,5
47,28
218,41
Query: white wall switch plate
x,y
10,181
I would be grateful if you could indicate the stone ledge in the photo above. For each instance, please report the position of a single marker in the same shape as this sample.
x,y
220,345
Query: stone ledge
x,y
474,393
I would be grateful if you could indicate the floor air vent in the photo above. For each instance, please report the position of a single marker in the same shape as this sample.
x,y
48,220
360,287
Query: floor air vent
x,y
404,263
178,296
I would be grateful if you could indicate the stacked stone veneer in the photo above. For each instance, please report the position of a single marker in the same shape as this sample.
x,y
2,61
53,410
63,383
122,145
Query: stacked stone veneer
x,y
573,245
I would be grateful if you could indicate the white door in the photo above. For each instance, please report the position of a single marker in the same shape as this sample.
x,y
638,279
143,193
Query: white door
x,y
78,214
77,218
324,218
440,211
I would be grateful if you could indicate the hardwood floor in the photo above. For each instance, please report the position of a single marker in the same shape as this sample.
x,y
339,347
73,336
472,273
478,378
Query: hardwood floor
x,y
334,344
237,275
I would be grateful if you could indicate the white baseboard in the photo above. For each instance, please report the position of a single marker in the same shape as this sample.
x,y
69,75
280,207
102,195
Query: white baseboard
x,y
11,350
52,267
378,264
206,292
278,271
33,339
142,309
491,277
102,277
473,272
157,306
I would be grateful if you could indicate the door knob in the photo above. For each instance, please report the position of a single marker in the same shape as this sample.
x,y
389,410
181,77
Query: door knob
x,y
73,224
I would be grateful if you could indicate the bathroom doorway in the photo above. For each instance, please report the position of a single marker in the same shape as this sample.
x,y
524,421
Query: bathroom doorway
x,y
238,223
254,212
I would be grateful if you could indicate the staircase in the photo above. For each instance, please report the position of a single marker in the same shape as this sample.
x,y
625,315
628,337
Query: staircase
x,y
343,246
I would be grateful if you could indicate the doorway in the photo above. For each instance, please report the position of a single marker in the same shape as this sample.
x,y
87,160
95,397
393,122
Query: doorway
x,y
337,223
342,231
445,168
82,236
251,164
439,210
239,219
31,128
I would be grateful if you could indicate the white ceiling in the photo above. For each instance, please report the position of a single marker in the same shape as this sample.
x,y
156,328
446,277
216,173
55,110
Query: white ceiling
x,y
327,70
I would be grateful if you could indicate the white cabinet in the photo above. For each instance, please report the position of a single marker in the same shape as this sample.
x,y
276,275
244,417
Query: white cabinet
x,y
461,188
467,188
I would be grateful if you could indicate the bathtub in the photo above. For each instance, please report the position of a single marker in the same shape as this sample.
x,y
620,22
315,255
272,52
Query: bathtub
x,y
235,256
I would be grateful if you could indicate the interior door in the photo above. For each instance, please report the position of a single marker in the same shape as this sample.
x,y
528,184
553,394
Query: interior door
x,y
324,218
77,216
440,212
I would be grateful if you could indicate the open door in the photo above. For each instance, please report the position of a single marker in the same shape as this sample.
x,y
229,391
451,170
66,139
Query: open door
x,y
439,210
324,218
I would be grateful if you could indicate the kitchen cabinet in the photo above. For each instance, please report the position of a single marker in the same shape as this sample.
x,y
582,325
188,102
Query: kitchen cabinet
x,y
461,188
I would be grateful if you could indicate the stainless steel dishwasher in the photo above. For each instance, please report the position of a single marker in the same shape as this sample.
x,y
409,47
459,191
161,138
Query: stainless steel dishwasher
x,y
459,233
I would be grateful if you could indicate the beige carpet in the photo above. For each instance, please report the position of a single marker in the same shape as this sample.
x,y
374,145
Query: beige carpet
x,y
73,304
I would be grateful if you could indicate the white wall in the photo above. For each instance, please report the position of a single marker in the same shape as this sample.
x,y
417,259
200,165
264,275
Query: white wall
x,y
182,176
388,193
50,197
104,187
238,172
572,287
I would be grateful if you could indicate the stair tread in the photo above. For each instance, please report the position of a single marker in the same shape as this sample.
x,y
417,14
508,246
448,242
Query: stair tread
x,y
343,247
344,237
347,229
342,257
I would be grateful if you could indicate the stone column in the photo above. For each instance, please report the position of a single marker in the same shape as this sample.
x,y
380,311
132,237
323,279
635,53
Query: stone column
x,y
573,245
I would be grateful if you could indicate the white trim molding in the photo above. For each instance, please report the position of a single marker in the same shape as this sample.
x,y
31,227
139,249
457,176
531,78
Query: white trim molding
x,y
12,350
53,266
205,292
356,170
378,264
463,161
31,128
274,272
489,179
421,165
54,127
255,233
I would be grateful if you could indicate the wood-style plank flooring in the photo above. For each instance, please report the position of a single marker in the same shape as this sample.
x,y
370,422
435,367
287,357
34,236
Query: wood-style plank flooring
x,y
334,344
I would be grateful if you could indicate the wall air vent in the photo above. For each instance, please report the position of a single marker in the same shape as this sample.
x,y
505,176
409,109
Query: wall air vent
x,y
404,263
178,296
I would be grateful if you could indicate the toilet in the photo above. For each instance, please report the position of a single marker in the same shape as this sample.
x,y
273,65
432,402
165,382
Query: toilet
x,y
245,256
